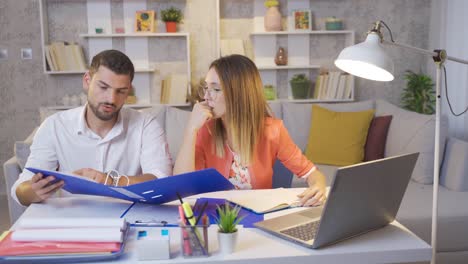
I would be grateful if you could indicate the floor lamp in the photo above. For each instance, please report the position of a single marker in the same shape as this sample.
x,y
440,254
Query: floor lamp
x,y
369,60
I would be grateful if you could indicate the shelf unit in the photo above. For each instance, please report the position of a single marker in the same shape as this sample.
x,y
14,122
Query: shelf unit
x,y
151,64
304,56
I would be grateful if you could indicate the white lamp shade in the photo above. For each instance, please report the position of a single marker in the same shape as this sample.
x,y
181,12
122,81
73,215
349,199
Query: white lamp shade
x,y
367,60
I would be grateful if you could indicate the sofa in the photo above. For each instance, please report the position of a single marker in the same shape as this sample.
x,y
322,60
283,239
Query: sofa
x,y
408,132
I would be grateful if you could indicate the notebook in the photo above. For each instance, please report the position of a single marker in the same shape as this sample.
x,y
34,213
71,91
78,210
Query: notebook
x,y
362,198
266,201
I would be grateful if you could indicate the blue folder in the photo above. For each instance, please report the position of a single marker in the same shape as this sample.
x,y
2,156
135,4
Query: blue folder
x,y
156,191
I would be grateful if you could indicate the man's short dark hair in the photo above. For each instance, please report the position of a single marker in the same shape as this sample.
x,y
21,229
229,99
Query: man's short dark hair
x,y
115,61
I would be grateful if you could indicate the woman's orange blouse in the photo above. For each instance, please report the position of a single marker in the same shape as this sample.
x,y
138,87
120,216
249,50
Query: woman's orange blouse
x,y
275,144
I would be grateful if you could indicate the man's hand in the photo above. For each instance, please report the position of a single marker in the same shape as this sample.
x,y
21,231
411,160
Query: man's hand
x,y
43,188
94,175
315,194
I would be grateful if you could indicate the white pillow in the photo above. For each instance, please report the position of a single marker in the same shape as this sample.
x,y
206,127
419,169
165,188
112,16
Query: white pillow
x,y
412,132
176,120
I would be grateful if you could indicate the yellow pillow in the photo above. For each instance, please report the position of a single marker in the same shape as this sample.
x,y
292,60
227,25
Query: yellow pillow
x,y
337,138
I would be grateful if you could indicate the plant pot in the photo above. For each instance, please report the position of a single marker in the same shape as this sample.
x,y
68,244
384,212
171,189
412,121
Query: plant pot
x,y
227,242
272,19
171,27
300,90
270,93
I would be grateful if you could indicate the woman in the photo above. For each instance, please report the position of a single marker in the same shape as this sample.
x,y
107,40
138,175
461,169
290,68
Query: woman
x,y
234,132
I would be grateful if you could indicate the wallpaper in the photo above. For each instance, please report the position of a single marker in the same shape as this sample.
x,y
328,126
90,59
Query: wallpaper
x,y
24,87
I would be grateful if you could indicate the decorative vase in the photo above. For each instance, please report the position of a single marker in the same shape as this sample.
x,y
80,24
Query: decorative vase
x,y
281,57
300,90
171,26
227,242
273,19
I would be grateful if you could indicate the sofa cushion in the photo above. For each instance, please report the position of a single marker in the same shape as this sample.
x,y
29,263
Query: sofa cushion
x,y
376,138
338,138
176,120
416,214
412,132
297,117
454,171
22,149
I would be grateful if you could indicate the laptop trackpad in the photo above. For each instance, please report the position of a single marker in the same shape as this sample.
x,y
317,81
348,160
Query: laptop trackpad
x,y
312,212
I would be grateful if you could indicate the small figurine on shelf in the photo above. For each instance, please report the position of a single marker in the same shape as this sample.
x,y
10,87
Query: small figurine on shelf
x,y
171,17
272,17
281,57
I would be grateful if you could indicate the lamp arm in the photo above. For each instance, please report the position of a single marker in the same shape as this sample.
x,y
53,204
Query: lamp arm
x,y
435,54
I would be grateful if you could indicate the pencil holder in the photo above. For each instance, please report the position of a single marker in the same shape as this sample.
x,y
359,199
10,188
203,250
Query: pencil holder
x,y
194,241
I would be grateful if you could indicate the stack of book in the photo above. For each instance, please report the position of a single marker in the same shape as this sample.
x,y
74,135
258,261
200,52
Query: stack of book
x,y
174,89
63,237
333,85
63,56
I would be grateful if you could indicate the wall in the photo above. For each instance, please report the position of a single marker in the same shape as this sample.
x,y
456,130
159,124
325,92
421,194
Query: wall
x,y
24,87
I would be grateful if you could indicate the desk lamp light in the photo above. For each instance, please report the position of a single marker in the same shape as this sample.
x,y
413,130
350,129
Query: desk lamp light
x,y
368,60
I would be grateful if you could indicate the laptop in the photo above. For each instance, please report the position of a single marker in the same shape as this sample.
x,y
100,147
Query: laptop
x,y
362,198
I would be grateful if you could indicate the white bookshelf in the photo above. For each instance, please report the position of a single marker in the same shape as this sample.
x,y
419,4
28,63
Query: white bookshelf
x,y
264,45
135,45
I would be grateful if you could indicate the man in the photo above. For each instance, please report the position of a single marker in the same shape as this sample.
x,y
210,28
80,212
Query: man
x,y
98,137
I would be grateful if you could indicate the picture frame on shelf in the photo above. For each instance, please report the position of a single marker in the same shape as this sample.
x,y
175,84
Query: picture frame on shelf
x,y
145,21
302,20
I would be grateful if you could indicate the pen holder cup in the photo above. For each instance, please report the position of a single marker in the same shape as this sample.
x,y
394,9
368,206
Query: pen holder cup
x,y
194,241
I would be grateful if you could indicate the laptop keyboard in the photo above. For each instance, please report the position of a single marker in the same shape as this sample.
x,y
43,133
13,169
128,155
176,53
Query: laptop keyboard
x,y
303,232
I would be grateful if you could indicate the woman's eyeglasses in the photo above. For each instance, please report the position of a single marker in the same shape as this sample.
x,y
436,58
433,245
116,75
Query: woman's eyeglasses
x,y
212,92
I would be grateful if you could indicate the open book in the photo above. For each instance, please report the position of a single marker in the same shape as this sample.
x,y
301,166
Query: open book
x,y
265,201
157,191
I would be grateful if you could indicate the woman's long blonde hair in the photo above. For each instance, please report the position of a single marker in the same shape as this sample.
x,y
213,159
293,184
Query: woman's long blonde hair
x,y
246,107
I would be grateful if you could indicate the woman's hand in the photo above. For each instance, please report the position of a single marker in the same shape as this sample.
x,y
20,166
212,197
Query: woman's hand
x,y
200,114
315,194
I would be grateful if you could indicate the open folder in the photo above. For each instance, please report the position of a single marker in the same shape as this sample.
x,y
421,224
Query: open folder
x,y
156,191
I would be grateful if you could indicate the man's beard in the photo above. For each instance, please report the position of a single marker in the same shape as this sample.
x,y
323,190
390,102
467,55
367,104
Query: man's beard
x,y
102,115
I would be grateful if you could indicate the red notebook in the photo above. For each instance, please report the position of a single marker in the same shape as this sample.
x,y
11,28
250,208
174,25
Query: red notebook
x,y
9,247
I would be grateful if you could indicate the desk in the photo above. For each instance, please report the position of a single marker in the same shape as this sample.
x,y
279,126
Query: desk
x,y
391,244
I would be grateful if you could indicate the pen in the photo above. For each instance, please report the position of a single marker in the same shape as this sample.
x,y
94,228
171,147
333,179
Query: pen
x,y
185,236
205,230
191,219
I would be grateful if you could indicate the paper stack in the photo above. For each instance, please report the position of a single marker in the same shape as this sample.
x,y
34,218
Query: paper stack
x,y
51,236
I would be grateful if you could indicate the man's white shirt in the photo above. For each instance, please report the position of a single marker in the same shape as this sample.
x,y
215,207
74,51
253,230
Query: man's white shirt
x,y
135,145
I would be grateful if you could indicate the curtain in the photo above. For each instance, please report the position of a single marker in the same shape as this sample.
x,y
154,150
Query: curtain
x,y
448,31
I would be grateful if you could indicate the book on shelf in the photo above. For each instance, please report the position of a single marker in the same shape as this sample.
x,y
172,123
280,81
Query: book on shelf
x,y
62,56
333,85
265,201
174,89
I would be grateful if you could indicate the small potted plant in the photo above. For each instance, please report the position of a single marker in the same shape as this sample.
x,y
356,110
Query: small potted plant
x,y
270,92
227,220
419,94
171,16
300,86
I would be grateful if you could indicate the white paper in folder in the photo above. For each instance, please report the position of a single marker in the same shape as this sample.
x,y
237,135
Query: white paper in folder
x,y
62,222
69,235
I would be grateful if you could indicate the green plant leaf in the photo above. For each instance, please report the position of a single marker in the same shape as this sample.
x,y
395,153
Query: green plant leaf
x,y
228,218
419,94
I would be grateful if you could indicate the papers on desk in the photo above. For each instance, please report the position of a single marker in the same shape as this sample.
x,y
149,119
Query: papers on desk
x,y
72,237
265,201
